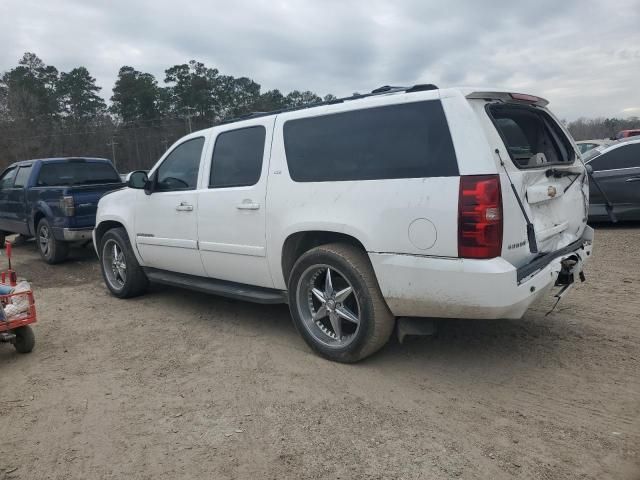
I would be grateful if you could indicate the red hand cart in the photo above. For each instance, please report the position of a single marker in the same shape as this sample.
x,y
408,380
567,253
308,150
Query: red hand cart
x,y
19,311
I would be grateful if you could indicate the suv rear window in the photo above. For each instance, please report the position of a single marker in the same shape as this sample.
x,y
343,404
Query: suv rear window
x,y
76,173
410,140
531,136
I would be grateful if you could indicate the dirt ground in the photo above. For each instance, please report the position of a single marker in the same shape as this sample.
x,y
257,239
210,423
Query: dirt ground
x,y
181,385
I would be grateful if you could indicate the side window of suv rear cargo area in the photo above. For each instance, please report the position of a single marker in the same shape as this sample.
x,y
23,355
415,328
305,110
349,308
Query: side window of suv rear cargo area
x,y
532,137
410,140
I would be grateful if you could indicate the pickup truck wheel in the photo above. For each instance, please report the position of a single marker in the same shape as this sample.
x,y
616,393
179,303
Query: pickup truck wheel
x,y
120,268
336,303
51,250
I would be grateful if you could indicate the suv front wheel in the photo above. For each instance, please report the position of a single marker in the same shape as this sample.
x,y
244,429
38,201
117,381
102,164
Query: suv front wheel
x,y
120,268
336,303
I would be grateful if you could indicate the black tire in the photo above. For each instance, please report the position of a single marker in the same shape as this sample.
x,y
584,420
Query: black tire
x,y
135,281
51,250
3,239
25,339
352,265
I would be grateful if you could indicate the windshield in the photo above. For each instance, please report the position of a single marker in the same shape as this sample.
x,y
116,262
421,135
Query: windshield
x,y
76,173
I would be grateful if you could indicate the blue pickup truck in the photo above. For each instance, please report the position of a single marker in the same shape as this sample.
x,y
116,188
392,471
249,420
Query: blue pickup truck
x,y
54,200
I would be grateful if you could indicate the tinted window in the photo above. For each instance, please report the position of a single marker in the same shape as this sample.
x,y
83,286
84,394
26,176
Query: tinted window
x,y
76,173
398,141
626,156
22,177
7,178
179,171
237,158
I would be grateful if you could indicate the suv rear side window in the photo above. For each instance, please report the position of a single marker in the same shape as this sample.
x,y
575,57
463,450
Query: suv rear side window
x,y
410,140
532,137
625,156
237,158
179,170
76,173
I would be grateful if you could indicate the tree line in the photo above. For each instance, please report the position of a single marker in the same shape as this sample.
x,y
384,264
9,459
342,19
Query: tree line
x,y
45,112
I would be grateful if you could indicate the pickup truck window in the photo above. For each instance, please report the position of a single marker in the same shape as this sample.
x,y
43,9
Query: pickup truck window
x,y
179,170
76,173
237,158
22,177
6,181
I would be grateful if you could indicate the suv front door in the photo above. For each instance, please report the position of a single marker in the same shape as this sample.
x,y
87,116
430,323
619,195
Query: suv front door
x,y
231,213
165,219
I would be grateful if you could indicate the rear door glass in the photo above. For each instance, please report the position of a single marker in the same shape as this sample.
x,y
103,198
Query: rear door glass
x,y
76,173
237,158
22,177
532,137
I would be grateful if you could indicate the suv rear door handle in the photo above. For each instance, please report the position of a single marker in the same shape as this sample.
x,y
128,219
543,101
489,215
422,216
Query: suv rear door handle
x,y
633,179
184,207
248,205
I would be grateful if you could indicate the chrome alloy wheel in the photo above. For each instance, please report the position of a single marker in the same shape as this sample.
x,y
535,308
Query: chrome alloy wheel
x,y
328,306
114,264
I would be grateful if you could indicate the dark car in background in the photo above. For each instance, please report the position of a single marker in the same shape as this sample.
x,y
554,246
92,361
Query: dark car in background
x,y
54,200
616,168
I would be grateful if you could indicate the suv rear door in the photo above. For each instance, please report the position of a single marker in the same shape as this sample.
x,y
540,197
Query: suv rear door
x,y
534,152
231,204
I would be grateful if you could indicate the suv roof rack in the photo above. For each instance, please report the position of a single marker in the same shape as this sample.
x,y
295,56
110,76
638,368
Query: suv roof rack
x,y
386,89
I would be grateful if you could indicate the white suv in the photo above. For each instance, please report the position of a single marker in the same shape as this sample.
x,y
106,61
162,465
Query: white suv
x,y
407,202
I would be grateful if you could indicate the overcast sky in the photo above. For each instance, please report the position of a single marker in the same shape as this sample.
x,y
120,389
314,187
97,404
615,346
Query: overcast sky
x,y
584,56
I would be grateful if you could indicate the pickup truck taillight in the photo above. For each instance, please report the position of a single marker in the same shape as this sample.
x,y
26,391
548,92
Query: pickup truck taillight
x,y
480,217
67,206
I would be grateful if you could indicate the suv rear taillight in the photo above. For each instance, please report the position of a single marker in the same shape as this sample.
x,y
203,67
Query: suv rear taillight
x,y
67,206
480,217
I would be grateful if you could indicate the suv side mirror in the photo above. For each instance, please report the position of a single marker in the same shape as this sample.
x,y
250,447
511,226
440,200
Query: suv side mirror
x,y
589,169
137,179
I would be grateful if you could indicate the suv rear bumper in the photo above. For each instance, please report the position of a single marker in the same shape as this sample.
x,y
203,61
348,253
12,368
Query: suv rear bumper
x,y
460,288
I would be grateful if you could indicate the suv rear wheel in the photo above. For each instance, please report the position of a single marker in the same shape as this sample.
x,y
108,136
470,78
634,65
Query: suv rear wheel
x,y
51,250
336,303
121,271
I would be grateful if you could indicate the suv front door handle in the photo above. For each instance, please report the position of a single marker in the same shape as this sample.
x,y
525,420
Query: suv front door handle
x,y
184,207
248,205
633,179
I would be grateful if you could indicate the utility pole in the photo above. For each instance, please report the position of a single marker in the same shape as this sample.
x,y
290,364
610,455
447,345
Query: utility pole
x,y
188,116
113,144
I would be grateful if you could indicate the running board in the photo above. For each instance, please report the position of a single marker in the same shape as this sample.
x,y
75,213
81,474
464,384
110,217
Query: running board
x,y
223,288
